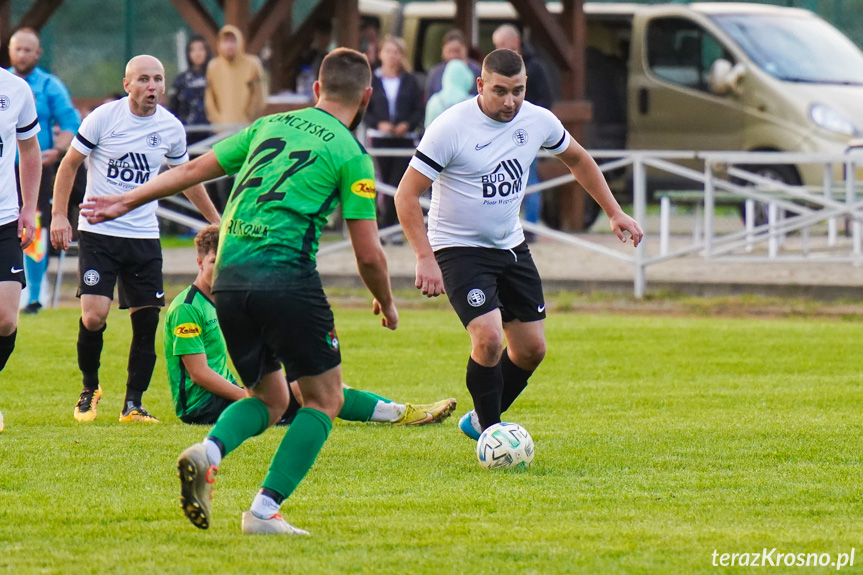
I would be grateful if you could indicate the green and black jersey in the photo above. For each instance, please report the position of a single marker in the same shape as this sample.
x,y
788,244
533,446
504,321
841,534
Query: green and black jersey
x,y
191,327
293,170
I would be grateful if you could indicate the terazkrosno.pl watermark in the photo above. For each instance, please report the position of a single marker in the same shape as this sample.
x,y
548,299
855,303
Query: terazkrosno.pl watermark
x,y
775,558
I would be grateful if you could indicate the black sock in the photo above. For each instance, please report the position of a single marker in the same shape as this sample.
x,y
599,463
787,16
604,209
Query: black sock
x,y
294,406
7,344
514,381
89,352
485,385
274,495
142,353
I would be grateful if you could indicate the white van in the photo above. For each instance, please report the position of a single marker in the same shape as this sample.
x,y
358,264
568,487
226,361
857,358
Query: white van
x,y
701,76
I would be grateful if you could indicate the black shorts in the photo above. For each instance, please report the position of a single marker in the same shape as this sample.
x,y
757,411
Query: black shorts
x,y
11,255
479,280
265,330
135,265
208,413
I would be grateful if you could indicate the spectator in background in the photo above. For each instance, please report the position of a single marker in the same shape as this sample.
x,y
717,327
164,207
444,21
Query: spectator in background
x,y
313,55
54,108
454,48
394,115
187,91
538,91
370,40
458,80
234,92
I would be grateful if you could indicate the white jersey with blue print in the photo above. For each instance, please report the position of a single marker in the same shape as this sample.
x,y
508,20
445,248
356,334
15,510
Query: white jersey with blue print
x,y
124,151
18,121
479,167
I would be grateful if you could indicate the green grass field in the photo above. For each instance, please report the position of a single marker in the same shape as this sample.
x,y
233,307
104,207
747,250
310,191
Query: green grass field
x,y
659,440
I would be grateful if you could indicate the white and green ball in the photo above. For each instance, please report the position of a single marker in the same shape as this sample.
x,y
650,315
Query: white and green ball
x,y
504,446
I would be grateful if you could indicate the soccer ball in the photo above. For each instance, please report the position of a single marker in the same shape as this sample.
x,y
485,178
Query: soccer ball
x,y
504,446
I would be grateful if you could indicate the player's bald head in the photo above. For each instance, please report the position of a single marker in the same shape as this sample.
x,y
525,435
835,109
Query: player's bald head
x,y
26,35
507,36
142,63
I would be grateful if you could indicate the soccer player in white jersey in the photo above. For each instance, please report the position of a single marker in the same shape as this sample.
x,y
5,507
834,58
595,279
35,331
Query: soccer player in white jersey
x,y
126,142
18,129
476,157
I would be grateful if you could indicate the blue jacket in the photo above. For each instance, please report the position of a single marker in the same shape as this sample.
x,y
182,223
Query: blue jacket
x,y
53,105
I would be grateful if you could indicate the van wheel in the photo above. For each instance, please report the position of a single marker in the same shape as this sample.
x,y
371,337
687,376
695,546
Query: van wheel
x,y
782,173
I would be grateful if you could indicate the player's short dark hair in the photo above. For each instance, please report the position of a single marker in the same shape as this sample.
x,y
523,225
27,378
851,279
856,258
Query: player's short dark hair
x,y
207,240
504,62
344,75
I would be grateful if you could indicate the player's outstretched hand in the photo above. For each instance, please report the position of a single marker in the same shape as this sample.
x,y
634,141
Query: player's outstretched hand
x,y
103,208
391,314
429,277
621,223
61,232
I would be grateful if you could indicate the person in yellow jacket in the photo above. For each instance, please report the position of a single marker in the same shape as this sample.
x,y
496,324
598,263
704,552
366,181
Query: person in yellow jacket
x,y
234,93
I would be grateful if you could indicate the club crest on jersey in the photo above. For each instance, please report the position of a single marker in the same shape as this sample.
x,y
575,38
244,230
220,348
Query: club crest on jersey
x,y
154,139
131,168
520,137
504,181
4,103
91,277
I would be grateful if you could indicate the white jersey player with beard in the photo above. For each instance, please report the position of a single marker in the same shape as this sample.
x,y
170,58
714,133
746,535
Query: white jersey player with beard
x,y
476,157
476,199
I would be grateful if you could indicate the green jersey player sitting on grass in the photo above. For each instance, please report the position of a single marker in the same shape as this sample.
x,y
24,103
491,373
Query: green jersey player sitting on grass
x,y
203,386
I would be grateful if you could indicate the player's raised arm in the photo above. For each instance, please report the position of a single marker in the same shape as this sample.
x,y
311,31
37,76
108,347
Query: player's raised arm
x,y
201,169
588,174
372,265
428,275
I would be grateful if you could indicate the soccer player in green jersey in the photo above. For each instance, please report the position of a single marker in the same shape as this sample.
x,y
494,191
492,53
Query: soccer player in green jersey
x,y
293,170
203,386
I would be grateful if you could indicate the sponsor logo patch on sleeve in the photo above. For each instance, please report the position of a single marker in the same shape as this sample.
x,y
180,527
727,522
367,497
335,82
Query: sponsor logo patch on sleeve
x,y
187,330
364,188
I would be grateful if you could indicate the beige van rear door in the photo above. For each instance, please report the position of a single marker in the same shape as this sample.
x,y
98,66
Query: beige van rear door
x,y
670,104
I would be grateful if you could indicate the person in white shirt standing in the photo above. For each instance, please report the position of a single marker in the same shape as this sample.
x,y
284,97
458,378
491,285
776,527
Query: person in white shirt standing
x,y
126,141
18,129
477,157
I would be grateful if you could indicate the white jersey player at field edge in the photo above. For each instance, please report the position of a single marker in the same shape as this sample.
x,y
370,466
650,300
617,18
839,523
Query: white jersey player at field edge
x,y
125,143
476,157
18,129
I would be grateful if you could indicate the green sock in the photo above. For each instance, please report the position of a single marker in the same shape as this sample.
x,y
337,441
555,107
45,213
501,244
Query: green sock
x,y
298,450
359,405
240,421
378,397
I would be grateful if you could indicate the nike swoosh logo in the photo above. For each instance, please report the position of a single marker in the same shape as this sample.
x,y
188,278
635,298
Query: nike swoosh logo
x,y
540,308
116,135
17,270
160,293
478,147
428,418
